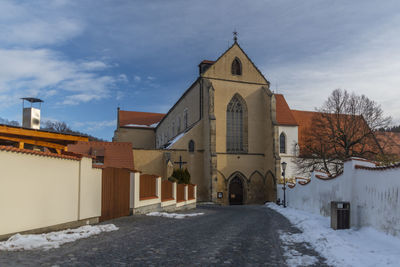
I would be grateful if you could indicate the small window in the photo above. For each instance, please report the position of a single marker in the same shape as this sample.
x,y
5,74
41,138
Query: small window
x,y
236,67
99,160
191,146
282,143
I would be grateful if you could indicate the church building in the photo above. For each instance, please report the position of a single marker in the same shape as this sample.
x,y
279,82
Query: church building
x,y
223,129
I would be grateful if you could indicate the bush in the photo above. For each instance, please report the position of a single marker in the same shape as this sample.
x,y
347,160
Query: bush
x,y
182,176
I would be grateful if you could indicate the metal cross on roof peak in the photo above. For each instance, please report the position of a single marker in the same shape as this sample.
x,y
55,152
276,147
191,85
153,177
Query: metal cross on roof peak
x,y
235,34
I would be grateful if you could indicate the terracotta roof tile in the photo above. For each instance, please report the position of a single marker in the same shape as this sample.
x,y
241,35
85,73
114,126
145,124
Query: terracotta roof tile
x,y
284,114
389,141
136,118
304,120
116,154
38,153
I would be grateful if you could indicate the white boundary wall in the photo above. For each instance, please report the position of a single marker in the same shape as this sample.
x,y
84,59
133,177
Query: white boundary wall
x,y
38,191
373,193
155,204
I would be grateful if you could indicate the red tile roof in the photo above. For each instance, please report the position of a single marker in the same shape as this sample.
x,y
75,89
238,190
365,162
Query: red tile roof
x,y
116,154
136,118
38,153
284,115
390,142
304,120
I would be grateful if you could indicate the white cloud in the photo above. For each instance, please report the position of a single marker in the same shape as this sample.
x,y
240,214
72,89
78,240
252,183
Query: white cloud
x,y
137,78
44,73
370,66
36,23
90,126
94,65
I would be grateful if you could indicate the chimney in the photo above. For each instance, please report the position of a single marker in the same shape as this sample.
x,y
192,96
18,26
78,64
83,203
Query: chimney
x,y
204,65
31,115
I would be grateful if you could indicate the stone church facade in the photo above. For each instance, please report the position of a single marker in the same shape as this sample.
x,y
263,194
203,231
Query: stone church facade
x,y
223,129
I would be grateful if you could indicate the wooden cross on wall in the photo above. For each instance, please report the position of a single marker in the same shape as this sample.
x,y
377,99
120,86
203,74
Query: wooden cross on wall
x,y
180,162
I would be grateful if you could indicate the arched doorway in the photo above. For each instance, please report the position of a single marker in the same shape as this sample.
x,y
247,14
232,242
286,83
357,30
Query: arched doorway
x,y
236,191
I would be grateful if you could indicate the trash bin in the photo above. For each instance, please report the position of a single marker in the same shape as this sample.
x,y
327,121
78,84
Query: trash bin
x,y
340,215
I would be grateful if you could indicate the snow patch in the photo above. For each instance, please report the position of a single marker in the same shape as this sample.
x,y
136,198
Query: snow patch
x,y
154,125
174,215
173,141
294,258
357,248
54,239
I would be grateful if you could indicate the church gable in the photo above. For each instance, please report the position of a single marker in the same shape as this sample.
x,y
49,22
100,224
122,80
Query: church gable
x,y
235,65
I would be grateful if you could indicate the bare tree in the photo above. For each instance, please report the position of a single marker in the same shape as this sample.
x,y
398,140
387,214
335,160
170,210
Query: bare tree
x,y
342,128
57,126
62,127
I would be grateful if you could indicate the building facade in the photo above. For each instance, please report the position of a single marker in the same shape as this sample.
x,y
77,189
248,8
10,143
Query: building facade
x,y
223,129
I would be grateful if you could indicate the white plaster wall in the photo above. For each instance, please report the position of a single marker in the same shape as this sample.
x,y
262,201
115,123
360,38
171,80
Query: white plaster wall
x,y
90,190
378,199
36,191
291,133
374,196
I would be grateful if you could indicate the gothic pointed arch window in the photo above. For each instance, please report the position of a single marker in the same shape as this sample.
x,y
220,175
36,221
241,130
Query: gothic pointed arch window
x,y
191,146
236,125
236,68
282,143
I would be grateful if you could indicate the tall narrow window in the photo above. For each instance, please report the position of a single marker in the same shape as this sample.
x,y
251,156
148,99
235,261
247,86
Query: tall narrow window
x,y
185,118
236,125
191,146
236,67
282,143
178,125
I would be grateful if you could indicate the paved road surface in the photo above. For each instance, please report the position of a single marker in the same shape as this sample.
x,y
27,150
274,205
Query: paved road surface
x,y
223,236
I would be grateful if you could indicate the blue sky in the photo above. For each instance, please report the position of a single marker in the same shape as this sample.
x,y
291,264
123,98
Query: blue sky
x,y
84,58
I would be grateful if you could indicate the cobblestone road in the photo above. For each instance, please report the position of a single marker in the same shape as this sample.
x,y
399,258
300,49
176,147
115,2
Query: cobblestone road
x,y
223,236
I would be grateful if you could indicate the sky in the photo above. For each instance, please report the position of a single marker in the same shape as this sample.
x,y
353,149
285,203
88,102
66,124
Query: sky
x,y
86,58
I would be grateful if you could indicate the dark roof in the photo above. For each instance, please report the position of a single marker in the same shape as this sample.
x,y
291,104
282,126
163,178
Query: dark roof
x,y
207,62
32,99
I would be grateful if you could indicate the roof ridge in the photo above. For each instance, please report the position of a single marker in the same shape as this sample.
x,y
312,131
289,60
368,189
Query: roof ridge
x,y
38,153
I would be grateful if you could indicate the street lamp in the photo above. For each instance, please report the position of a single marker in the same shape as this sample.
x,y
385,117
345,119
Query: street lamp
x,y
284,164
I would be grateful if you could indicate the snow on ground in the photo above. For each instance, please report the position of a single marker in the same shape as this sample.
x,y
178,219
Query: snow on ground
x,y
53,239
205,203
363,247
294,258
173,215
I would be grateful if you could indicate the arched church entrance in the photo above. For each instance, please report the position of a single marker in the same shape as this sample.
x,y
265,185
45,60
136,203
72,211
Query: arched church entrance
x,y
236,191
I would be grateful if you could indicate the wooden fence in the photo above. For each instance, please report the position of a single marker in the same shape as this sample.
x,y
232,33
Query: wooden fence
x,y
115,193
191,192
167,190
148,186
180,193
